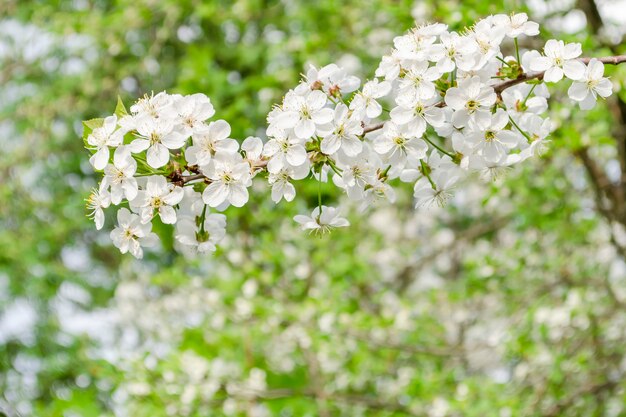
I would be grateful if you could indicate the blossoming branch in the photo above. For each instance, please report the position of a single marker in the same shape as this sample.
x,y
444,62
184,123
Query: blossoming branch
x,y
458,105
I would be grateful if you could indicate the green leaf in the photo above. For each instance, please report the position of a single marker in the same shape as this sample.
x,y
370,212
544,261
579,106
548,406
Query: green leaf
x,y
120,109
88,127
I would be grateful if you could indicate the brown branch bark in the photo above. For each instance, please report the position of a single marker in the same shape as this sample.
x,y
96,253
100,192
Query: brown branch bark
x,y
189,178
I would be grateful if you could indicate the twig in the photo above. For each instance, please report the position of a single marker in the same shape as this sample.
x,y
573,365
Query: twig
x,y
499,88
188,178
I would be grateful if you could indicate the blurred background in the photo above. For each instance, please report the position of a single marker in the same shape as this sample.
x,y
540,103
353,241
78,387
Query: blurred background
x,y
510,301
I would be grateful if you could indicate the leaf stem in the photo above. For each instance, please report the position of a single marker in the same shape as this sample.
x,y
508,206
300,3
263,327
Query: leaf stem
x,y
439,148
526,135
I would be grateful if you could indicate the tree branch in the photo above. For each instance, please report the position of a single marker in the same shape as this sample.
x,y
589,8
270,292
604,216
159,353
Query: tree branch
x,y
188,178
499,88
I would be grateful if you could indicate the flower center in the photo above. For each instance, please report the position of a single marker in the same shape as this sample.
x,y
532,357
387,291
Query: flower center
x,y
227,178
471,105
490,135
154,138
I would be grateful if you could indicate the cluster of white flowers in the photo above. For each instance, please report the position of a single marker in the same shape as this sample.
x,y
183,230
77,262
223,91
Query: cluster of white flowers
x,y
460,102
169,162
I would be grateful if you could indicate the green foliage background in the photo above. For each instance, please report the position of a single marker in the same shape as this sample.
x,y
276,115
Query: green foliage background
x,y
528,259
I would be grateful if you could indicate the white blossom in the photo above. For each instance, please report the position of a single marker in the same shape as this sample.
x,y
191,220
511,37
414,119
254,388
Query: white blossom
x,y
442,88
398,143
208,140
280,181
417,82
158,136
438,193
120,176
342,134
230,177
98,200
159,106
282,151
417,114
192,111
471,102
560,59
321,221
303,113
454,51
493,141
130,234
201,239
158,196
331,79
590,86
517,24
365,100
101,138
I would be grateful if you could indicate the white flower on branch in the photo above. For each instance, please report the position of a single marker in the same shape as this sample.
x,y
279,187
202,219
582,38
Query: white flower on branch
x,y
303,113
397,143
416,114
208,140
559,60
158,136
322,221
516,24
98,200
159,196
454,51
365,100
492,140
253,147
130,234
230,176
471,102
159,106
591,85
192,111
358,173
416,44
120,176
418,81
102,138
331,79
203,238
280,181
342,134
284,150
436,190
